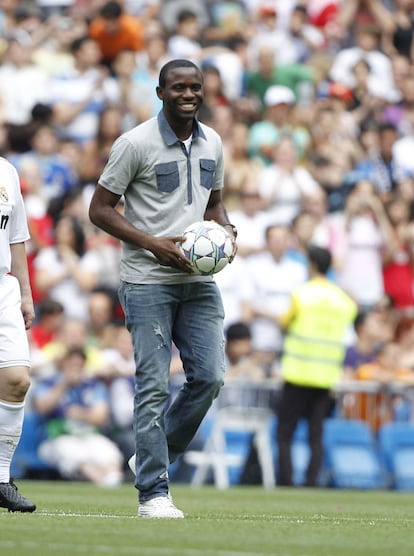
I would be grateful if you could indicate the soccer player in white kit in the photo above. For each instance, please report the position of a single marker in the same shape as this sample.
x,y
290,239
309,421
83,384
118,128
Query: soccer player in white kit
x,y
16,316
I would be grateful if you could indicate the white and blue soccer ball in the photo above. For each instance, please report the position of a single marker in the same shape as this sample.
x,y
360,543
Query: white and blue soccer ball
x,y
208,245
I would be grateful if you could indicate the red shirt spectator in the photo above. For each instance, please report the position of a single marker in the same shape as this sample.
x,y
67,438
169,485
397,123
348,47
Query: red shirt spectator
x,y
398,273
399,283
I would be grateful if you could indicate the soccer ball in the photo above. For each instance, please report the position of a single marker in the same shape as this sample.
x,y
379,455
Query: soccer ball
x,y
208,245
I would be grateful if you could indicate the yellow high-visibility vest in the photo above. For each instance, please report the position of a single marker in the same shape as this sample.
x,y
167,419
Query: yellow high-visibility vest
x,y
314,343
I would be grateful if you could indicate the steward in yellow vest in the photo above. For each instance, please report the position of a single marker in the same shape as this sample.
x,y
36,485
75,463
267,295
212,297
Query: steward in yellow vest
x,y
314,350
312,362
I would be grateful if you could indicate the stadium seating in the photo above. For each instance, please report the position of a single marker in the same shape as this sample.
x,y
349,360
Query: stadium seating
x,y
351,455
227,446
396,443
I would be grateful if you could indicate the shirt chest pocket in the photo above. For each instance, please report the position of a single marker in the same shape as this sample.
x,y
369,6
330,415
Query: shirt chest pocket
x,y
207,170
167,175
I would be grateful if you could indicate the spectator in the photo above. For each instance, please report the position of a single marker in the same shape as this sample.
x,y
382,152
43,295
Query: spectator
x,y
72,334
79,95
23,84
227,21
330,171
234,291
302,230
124,68
366,47
66,271
368,239
398,210
95,152
365,346
240,167
363,92
101,317
381,167
268,33
278,120
284,183
241,360
52,53
398,273
401,114
251,221
184,41
333,131
172,8
271,276
76,408
230,60
114,31
328,230
387,317
269,73
50,316
107,253
58,177
404,336
316,320
145,76
306,39
397,28
213,87
39,220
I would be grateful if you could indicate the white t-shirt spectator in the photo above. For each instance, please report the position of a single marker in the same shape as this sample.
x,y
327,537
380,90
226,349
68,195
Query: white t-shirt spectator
x,y
361,272
284,192
270,285
234,291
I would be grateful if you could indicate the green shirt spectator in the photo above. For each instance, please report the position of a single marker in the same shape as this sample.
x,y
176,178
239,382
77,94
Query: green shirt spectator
x,y
268,74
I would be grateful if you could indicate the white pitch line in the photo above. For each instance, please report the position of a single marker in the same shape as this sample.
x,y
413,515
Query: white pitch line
x,y
94,516
317,518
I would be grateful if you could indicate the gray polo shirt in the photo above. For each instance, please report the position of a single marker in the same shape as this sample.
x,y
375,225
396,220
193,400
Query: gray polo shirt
x,y
165,189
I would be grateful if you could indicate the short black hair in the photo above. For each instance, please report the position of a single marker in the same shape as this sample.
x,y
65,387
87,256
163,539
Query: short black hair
x,y
111,10
238,331
172,65
320,257
77,43
360,320
185,15
75,351
387,126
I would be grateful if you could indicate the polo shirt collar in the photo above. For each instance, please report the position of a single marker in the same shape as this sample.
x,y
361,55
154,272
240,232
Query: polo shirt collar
x,y
168,134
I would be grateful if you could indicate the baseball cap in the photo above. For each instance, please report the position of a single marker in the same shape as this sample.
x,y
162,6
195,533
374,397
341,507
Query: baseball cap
x,y
279,94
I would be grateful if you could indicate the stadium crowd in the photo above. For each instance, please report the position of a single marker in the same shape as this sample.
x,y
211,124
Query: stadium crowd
x,y
314,101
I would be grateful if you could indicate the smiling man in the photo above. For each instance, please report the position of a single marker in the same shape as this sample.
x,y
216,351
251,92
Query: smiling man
x,y
170,171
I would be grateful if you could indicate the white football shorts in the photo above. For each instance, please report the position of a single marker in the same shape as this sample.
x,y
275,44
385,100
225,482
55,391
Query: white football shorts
x,y
14,344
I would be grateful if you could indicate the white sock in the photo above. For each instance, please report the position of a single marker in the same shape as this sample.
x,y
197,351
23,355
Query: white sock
x,y
11,423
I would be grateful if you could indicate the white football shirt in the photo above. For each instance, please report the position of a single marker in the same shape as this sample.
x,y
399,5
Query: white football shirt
x,y
13,221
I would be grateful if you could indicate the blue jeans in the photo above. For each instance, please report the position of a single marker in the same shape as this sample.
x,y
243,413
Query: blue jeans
x,y
190,315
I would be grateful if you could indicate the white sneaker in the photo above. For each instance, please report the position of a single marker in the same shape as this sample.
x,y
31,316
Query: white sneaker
x,y
131,464
159,508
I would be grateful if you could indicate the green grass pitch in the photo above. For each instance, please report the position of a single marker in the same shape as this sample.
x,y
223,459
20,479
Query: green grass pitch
x,y
81,519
